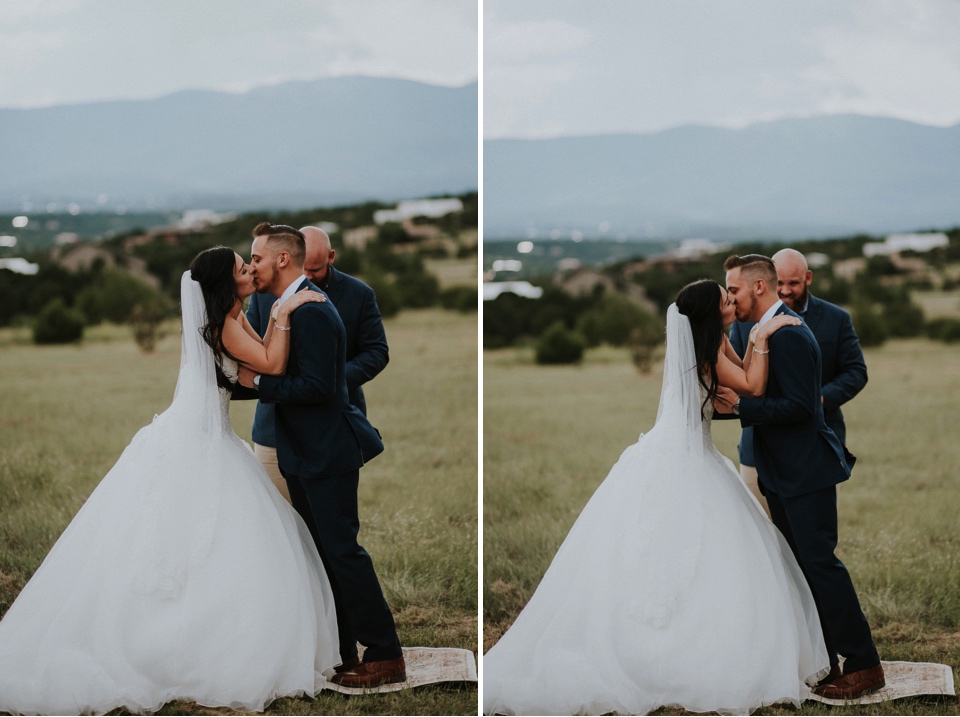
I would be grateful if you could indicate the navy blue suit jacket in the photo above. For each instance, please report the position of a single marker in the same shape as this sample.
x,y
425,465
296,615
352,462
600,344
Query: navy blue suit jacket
x,y
843,370
796,452
319,432
367,352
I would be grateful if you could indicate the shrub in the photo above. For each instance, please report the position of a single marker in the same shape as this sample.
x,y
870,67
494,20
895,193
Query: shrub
x,y
146,318
418,289
387,294
112,297
57,324
903,317
869,324
459,298
945,329
560,345
644,341
614,320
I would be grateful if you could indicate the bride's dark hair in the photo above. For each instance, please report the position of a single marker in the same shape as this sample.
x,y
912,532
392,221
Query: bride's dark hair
x,y
699,301
213,270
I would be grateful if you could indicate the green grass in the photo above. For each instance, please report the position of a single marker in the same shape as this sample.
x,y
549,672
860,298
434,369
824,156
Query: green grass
x,y
551,435
67,413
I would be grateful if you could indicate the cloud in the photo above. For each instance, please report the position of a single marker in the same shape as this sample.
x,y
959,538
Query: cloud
x,y
643,66
525,62
67,51
892,58
517,42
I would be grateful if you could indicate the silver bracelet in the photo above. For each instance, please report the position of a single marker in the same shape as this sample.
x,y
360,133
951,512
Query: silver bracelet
x,y
755,350
278,327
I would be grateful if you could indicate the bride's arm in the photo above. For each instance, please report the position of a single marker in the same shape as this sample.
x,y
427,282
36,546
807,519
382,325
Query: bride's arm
x,y
270,356
751,379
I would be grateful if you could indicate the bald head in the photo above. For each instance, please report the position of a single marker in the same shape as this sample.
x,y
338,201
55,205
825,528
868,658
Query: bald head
x,y
319,257
793,278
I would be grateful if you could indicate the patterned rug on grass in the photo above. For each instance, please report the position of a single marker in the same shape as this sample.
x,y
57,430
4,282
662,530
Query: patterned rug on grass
x,y
425,666
905,679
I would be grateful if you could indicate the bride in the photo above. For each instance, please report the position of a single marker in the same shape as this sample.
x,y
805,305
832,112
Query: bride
x,y
672,587
185,575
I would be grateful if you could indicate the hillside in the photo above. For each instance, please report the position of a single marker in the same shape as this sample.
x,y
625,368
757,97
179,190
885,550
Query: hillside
x,y
788,179
294,145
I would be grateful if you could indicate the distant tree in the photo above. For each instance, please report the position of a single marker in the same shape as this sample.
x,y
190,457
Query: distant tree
x,y
459,298
643,345
945,329
903,317
418,289
392,233
613,319
869,324
349,260
836,291
388,296
57,324
560,345
113,296
146,319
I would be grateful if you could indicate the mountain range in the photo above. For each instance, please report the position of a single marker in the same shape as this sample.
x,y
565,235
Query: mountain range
x,y
298,144
792,178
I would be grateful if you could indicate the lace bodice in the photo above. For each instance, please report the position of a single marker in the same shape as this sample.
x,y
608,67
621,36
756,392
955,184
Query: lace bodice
x,y
707,418
231,369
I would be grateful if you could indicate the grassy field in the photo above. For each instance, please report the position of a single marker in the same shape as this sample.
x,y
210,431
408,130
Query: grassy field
x,y
552,433
66,414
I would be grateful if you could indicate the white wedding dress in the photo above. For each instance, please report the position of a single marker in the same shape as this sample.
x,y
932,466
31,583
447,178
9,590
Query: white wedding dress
x,y
672,587
185,575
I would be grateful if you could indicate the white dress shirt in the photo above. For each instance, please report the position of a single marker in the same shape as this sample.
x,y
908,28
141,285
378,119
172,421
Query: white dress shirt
x,y
770,312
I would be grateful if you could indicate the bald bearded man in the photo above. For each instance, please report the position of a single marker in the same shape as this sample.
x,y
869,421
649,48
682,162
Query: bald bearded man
x,y
366,344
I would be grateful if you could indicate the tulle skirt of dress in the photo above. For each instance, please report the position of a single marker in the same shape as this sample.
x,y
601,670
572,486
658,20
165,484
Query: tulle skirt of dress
x,y
185,575
672,588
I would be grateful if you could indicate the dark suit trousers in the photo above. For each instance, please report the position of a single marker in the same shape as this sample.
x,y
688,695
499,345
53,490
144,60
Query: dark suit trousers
x,y
329,508
809,524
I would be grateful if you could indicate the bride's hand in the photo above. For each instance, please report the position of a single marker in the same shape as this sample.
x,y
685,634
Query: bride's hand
x,y
304,296
777,323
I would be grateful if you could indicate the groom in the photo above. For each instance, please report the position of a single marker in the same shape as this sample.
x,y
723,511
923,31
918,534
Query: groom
x,y
322,441
800,461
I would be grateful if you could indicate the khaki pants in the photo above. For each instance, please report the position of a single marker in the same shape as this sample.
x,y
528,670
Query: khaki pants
x,y
748,474
268,458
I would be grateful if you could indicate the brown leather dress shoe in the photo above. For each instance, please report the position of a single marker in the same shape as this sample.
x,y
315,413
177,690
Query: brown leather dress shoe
x,y
347,664
834,674
373,673
853,684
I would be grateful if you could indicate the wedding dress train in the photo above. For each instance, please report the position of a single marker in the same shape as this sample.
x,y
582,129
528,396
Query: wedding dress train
x,y
185,575
672,587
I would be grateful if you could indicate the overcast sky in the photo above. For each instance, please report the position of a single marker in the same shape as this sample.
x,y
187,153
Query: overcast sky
x,y
570,67
68,51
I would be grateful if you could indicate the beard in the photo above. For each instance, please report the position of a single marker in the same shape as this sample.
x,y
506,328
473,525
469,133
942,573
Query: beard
x,y
744,310
797,302
324,282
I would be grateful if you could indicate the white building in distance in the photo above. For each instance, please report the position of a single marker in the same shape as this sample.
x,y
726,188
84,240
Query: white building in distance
x,y
493,289
418,208
895,243
19,266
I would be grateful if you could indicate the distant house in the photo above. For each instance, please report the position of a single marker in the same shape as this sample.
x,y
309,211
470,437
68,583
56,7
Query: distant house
x,y
697,248
896,243
493,289
19,266
418,208
194,219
